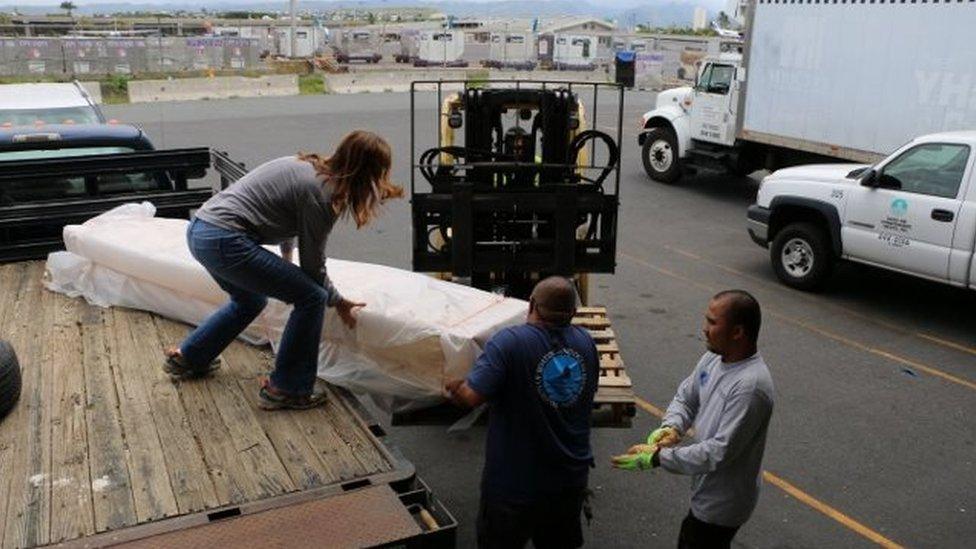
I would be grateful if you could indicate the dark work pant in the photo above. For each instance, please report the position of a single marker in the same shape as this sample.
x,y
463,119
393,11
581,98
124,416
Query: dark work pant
x,y
552,523
696,534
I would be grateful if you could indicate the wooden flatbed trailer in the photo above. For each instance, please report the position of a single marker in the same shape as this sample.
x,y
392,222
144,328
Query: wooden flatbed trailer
x,y
103,448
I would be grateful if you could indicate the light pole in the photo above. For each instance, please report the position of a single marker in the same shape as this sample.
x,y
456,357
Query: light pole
x,y
292,43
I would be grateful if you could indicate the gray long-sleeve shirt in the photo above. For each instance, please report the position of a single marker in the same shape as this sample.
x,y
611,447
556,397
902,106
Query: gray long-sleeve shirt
x,y
729,405
276,202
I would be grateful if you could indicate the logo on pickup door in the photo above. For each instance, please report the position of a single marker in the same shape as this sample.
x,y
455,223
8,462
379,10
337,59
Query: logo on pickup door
x,y
899,207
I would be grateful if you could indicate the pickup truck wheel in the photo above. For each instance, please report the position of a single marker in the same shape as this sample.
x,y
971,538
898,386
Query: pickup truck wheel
x,y
801,256
660,155
9,378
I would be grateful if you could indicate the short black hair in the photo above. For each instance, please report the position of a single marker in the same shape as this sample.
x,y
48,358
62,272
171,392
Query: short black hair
x,y
743,311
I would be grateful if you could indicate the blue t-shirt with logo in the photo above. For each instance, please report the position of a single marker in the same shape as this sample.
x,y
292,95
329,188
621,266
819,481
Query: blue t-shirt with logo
x,y
540,384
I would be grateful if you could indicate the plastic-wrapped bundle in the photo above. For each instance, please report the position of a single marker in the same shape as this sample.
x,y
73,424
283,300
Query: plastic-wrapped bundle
x,y
414,333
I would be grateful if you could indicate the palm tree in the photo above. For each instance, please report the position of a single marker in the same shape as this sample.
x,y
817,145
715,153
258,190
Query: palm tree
x,y
68,7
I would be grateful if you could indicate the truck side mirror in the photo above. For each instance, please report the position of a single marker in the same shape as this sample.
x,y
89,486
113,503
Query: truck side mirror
x,y
870,178
888,182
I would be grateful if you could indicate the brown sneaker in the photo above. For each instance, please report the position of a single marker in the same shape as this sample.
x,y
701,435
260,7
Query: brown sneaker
x,y
270,398
178,368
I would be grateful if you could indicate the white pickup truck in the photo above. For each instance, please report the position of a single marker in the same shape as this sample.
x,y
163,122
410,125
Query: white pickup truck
x,y
913,212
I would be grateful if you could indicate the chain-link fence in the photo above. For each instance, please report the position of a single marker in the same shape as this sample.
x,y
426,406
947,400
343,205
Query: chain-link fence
x,y
78,57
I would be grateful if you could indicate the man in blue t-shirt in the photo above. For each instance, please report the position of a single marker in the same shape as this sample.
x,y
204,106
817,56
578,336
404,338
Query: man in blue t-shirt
x,y
540,379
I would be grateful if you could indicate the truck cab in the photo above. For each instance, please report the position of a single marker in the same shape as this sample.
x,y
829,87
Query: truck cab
x,y
914,212
695,124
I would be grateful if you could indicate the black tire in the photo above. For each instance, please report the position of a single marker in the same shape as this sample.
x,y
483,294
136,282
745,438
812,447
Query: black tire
x,y
9,378
811,254
659,145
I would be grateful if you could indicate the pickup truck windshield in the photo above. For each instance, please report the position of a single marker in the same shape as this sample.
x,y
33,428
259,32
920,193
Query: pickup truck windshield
x,y
30,117
716,78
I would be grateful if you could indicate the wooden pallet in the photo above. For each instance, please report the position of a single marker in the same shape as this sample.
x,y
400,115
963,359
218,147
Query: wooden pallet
x,y
614,402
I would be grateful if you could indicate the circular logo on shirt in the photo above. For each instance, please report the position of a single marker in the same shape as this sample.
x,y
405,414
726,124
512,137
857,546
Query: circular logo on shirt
x,y
560,377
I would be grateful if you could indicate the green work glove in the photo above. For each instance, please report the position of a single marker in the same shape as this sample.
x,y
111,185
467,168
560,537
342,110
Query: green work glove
x,y
663,436
633,462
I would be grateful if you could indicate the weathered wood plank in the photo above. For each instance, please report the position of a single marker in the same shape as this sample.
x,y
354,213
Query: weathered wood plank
x,y
151,490
28,507
618,379
602,335
13,278
72,515
188,476
112,497
231,483
595,311
255,451
298,457
611,363
607,395
319,429
318,426
609,347
310,429
364,446
598,323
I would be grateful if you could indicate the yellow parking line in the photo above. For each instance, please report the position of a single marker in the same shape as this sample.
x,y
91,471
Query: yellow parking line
x,y
801,496
829,511
817,330
879,352
947,343
648,407
855,314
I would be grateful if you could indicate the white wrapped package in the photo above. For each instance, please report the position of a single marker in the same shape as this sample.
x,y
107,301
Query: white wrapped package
x,y
414,333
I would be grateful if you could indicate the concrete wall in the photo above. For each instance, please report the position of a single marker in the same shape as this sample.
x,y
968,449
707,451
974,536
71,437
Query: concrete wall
x,y
380,81
223,87
94,90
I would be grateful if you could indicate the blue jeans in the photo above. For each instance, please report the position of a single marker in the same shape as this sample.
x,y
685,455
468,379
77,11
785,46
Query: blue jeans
x,y
250,273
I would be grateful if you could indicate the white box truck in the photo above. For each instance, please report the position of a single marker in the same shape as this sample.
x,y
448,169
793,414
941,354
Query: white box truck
x,y
819,79
440,48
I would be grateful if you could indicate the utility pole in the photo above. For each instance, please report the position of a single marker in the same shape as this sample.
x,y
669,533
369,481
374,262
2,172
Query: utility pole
x,y
292,5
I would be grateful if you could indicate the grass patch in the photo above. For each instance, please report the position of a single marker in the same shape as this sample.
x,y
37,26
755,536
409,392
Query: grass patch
x,y
311,84
477,79
115,90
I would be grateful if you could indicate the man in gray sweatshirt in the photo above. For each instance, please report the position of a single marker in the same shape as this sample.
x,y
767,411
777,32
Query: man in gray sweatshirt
x,y
728,400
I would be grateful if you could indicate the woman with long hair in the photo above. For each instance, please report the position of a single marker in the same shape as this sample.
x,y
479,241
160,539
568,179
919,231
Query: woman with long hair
x,y
294,197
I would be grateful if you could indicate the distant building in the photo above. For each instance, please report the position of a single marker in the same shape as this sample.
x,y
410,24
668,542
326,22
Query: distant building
x,y
701,19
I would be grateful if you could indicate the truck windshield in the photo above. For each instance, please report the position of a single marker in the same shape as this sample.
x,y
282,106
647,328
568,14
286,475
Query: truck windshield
x,y
29,117
716,78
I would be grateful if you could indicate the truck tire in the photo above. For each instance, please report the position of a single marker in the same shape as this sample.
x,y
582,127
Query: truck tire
x,y
660,155
9,378
801,256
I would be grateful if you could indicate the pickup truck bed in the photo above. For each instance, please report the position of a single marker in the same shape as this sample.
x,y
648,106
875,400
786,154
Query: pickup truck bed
x,y
104,444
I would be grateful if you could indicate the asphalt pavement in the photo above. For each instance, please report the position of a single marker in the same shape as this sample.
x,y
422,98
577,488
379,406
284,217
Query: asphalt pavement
x,y
872,439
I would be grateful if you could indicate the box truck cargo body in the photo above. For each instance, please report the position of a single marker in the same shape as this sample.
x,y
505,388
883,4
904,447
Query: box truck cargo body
x,y
444,48
817,81
512,50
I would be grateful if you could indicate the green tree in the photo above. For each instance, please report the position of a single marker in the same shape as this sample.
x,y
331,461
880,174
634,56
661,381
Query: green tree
x,y
723,20
68,7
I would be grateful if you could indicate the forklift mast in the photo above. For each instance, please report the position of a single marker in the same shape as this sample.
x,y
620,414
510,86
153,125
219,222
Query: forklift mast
x,y
529,192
